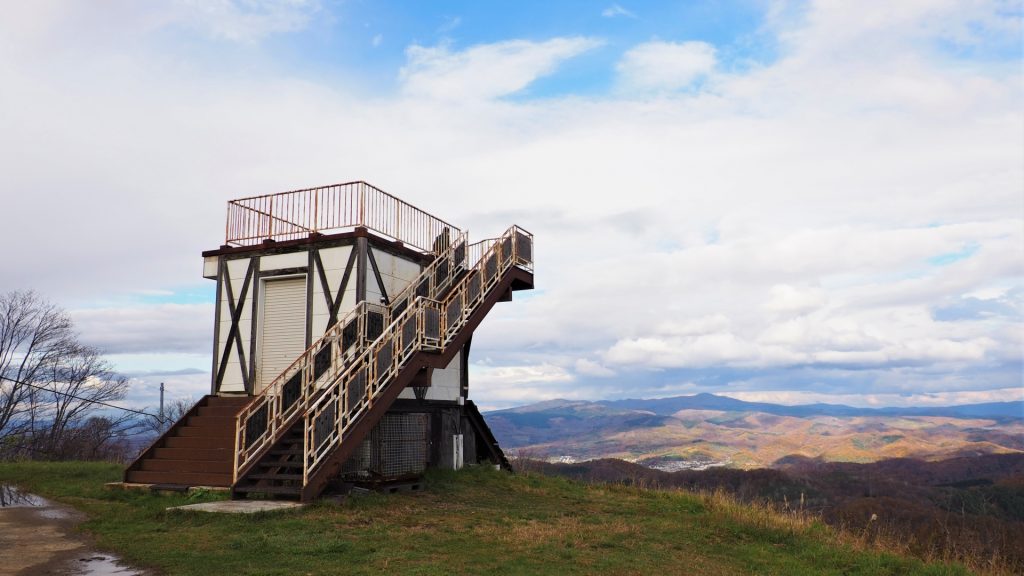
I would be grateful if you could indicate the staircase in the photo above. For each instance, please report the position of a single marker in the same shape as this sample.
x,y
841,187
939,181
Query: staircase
x,y
291,439
196,451
294,437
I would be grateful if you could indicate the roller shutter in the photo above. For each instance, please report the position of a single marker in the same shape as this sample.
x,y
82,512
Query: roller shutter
x,y
283,327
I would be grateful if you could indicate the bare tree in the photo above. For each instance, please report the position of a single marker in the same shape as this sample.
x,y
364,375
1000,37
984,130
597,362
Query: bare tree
x,y
34,335
174,411
52,388
79,383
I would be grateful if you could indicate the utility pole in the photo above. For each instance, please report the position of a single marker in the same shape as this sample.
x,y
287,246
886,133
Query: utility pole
x,y
161,403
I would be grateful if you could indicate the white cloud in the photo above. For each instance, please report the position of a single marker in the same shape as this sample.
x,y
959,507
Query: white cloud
x,y
155,328
450,24
591,368
615,10
668,66
243,20
485,71
377,40
795,397
786,219
502,386
788,299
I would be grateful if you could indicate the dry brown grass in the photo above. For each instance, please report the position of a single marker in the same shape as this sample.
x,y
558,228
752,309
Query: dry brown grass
x,y
873,535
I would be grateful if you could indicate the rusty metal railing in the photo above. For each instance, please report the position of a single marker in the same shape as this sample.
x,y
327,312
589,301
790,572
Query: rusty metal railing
x,y
424,325
274,408
337,378
328,209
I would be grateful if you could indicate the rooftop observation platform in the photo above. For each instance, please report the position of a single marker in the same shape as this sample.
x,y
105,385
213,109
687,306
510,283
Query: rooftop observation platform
x,y
328,210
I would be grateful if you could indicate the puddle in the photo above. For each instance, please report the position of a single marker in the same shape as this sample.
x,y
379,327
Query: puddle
x,y
54,514
41,538
102,565
13,497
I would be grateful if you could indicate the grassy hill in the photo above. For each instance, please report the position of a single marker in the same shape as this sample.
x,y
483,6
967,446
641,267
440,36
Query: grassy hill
x,y
476,521
971,509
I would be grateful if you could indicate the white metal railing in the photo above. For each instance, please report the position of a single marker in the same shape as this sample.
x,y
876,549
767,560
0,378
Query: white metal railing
x,y
260,423
299,213
424,325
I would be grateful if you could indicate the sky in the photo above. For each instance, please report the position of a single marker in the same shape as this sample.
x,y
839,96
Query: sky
x,y
777,201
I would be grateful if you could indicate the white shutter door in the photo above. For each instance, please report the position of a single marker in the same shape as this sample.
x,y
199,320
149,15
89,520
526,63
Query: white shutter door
x,y
283,333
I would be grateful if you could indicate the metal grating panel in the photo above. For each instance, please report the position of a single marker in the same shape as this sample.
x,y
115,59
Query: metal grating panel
x,y
291,391
256,425
524,248
491,268
356,391
349,335
374,325
506,249
409,333
453,314
459,255
396,447
384,357
398,307
432,323
323,427
474,287
441,272
402,444
322,361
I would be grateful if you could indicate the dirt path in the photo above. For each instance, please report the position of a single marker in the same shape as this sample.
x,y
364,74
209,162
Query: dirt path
x,y
38,537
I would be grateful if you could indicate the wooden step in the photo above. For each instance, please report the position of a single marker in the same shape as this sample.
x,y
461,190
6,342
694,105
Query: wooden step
x,y
211,454
293,490
286,452
190,442
225,401
271,476
205,431
183,478
279,464
158,465
219,411
211,422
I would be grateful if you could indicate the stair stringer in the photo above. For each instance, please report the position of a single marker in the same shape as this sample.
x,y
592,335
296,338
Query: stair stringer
x,y
513,278
480,425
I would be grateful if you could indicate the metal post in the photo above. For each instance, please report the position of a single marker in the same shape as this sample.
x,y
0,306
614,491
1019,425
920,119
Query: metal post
x,y
161,403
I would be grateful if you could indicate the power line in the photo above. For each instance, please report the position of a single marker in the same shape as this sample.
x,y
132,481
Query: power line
x,y
79,398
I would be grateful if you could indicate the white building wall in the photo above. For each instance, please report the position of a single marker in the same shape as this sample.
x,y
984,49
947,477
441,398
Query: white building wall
x,y
396,273
232,380
445,384
282,261
334,261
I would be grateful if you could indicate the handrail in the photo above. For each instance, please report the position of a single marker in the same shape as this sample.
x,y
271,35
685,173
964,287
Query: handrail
x,y
298,213
354,369
425,325
476,250
274,407
257,426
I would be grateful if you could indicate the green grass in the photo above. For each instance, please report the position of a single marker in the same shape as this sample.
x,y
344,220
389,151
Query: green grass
x,y
477,521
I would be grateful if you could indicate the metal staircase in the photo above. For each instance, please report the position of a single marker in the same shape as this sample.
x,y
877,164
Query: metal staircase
x,y
294,437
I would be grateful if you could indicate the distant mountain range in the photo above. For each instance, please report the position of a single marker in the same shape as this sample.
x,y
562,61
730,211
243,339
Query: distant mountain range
x,y
706,430
668,406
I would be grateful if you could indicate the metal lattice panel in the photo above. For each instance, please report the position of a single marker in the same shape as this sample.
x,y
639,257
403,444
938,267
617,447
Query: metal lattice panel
x,y
397,446
402,444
